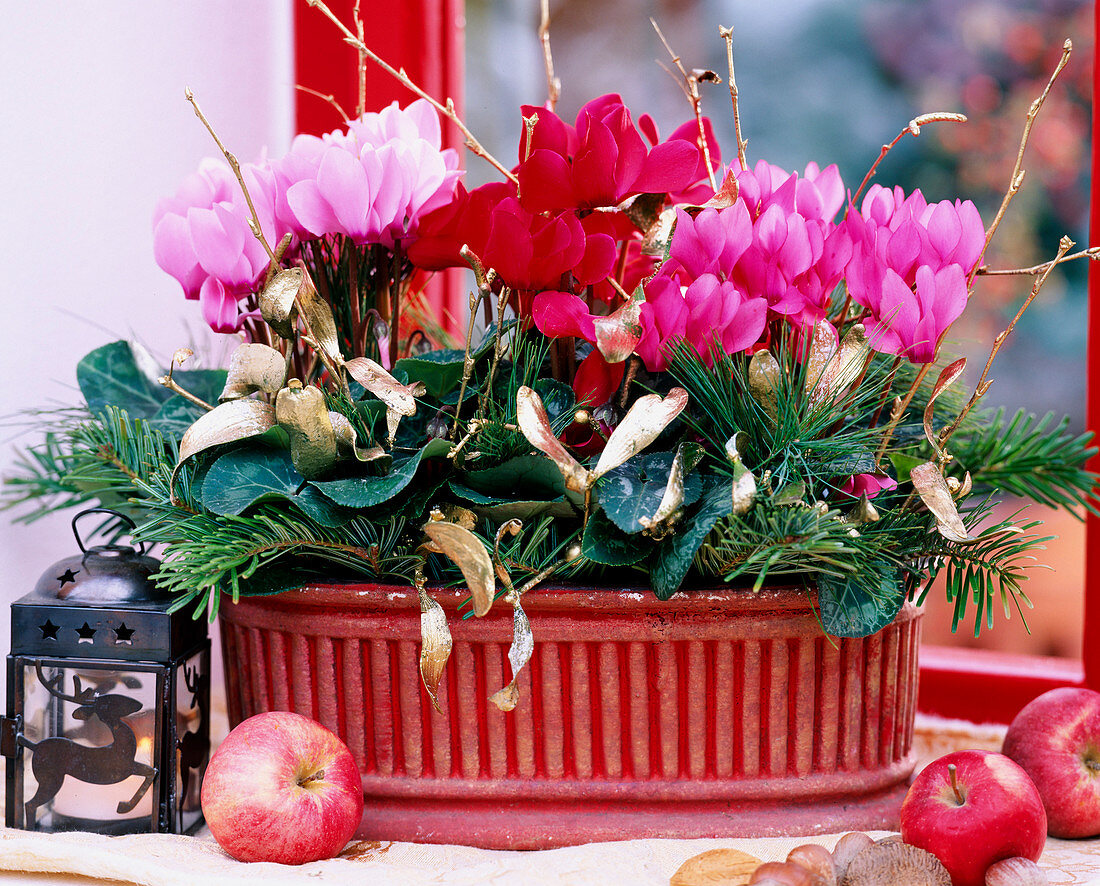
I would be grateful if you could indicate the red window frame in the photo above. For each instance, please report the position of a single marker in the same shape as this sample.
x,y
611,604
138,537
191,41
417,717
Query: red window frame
x,y
425,37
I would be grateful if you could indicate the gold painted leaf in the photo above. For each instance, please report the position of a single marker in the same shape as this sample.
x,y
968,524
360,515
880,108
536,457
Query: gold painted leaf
x,y
934,492
401,398
435,645
519,653
823,345
618,333
347,441
469,554
318,318
535,425
641,425
277,301
744,487
947,377
765,375
659,234
254,367
227,423
302,412
843,366
688,455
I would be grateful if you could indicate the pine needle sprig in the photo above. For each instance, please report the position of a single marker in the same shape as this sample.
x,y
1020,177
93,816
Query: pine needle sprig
x,y
1031,457
993,566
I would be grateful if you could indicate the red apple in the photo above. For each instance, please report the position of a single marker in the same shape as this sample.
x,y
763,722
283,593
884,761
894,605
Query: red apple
x,y
1056,739
282,788
971,809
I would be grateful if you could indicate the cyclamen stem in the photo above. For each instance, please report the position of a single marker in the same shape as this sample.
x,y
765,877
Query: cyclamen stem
x,y
899,410
1017,178
447,110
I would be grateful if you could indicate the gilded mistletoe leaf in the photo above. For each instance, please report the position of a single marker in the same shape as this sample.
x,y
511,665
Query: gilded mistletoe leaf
x,y
304,415
469,554
519,653
934,492
254,367
435,645
641,425
535,425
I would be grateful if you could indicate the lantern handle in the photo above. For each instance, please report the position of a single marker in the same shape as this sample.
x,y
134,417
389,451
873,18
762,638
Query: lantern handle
x,y
116,515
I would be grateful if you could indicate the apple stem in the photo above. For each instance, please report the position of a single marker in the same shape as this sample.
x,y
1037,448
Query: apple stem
x,y
309,779
951,769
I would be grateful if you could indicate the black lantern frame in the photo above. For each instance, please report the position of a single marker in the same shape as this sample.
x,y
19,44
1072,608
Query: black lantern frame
x,y
108,701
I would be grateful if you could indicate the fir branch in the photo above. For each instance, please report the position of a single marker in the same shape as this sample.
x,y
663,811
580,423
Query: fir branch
x,y
1032,457
993,566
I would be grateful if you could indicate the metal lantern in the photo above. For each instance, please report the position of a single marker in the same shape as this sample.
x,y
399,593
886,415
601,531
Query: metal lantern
x,y
107,725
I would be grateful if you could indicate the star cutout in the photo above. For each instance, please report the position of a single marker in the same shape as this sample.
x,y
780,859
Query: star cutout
x,y
124,635
49,630
85,633
67,576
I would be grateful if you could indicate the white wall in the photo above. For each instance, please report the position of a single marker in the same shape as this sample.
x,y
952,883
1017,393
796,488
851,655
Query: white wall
x,y
95,130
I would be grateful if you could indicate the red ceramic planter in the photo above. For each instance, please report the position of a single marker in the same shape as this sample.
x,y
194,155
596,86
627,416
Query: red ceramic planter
x,y
716,713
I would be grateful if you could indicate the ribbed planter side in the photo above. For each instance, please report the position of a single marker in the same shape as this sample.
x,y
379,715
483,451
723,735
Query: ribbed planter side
x,y
717,713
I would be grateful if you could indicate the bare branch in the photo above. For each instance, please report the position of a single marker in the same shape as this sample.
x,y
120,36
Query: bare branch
x,y
1017,178
447,109
330,98
727,35
553,84
254,223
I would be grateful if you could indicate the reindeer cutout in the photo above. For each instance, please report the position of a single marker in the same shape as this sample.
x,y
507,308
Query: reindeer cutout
x,y
55,758
194,747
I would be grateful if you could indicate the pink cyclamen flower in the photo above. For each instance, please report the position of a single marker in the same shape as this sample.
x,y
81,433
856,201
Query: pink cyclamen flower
x,y
867,484
202,237
600,161
910,323
707,313
908,267
371,182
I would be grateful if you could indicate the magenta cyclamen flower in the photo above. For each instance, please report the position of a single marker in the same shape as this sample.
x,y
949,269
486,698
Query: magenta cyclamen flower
x,y
797,254
867,484
599,162
371,182
909,265
203,239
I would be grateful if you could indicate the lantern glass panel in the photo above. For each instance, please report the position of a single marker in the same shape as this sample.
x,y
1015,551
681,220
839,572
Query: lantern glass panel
x,y
192,736
90,748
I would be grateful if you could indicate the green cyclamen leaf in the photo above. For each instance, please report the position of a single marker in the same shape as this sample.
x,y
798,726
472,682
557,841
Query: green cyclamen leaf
x,y
675,554
859,605
604,543
440,371
557,397
243,478
859,461
524,478
367,492
634,490
111,376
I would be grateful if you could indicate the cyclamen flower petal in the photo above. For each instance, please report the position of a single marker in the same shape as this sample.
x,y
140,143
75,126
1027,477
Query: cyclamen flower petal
x,y
867,484
559,314
219,307
599,162
373,181
597,380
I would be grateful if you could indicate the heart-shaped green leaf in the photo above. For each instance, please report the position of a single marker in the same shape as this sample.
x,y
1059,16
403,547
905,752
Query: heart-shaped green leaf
x,y
605,543
634,490
243,478
367,492
860,605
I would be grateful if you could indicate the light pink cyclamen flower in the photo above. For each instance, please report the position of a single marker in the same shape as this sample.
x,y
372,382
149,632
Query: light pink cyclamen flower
x,y
201,236
371,182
